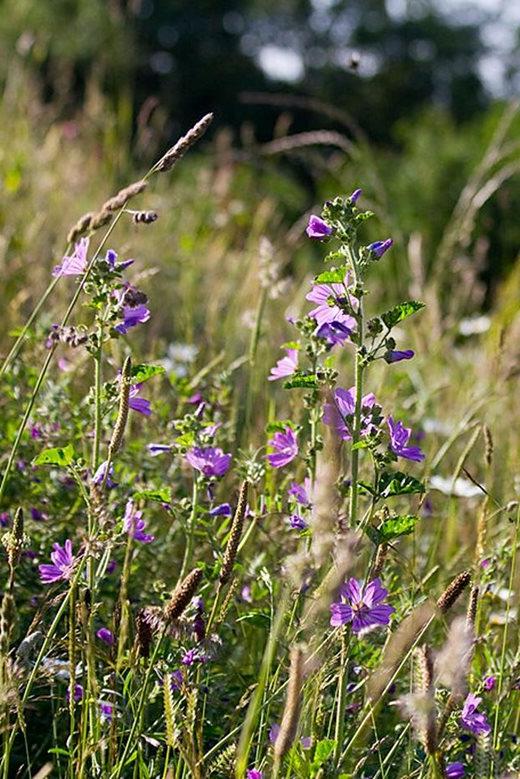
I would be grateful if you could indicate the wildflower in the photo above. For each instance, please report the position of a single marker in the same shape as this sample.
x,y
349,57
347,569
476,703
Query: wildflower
x,y
362,605
139,404
471,719
355,195
396,356
301,492
286,366
4,519
245,594
331,298
317,228
335,333
156,449
454,771
192,656
176,680
209,460
36,431
380,247
223,510
132,316
134,524
78,693
252,773
62,567
489,683
36,514
340,413
111,260
285,446
274,731
399,437
297,522
106,710
100,475
106,635
76,264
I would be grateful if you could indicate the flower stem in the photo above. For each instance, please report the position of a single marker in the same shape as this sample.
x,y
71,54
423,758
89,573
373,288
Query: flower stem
x,y
190,528
340,708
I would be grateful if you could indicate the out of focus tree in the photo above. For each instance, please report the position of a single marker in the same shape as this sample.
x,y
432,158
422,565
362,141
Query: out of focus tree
x,y
197,55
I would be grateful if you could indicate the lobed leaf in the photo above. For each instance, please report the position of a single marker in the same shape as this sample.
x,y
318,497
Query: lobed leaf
x,y
401,312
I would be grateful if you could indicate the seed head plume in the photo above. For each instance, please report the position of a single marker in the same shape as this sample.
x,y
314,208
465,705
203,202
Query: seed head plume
x,y
427,688
382,551
471,613
488,439
80,228
325,504
182,595
143,633
453,591
291,713
123,196
122,414
177,151
100,219
234,535
14,542
453,660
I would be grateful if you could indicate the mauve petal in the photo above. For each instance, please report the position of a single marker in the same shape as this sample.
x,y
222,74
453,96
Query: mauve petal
x,y
49,573
374,593
353,591
340,614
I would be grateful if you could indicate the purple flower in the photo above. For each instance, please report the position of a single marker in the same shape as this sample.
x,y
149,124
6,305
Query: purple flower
x,y
340,413
209,460
134,524
36,431
330,299
471,719
245,594
100,475
111,259
286,366
139,404
111,567
454,771
355,195
63,563
380,247
285,446
133,316
274,731
317,228
76,264
252,773
156,449
176,680
335,333
297,522
399,437
36,514
489,683
106,710
362,605
106,635
224,510
306,741
301,492
78,693
397,356
192,656
4,518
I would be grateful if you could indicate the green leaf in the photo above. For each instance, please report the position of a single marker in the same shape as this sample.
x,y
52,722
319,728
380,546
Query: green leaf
x,y
360,445
144,372
302,380
397,483
257,618
333,276
397,526
400,312
162,495
323,751
186,439
279,426
60,455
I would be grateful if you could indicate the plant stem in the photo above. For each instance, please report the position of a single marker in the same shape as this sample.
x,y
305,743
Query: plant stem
x,y
190,528
340,709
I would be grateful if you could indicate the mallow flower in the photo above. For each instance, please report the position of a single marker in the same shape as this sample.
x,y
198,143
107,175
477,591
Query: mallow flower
x,y
339,413
286,366
399,437
76,264
285,448
209,460
361,605
317,228
330,299
135,525
473,720
63,564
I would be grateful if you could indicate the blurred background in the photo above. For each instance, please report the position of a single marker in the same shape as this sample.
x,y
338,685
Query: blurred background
x,y
413,101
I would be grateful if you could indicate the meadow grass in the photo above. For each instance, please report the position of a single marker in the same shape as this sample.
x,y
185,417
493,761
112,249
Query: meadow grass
x,y
214,516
